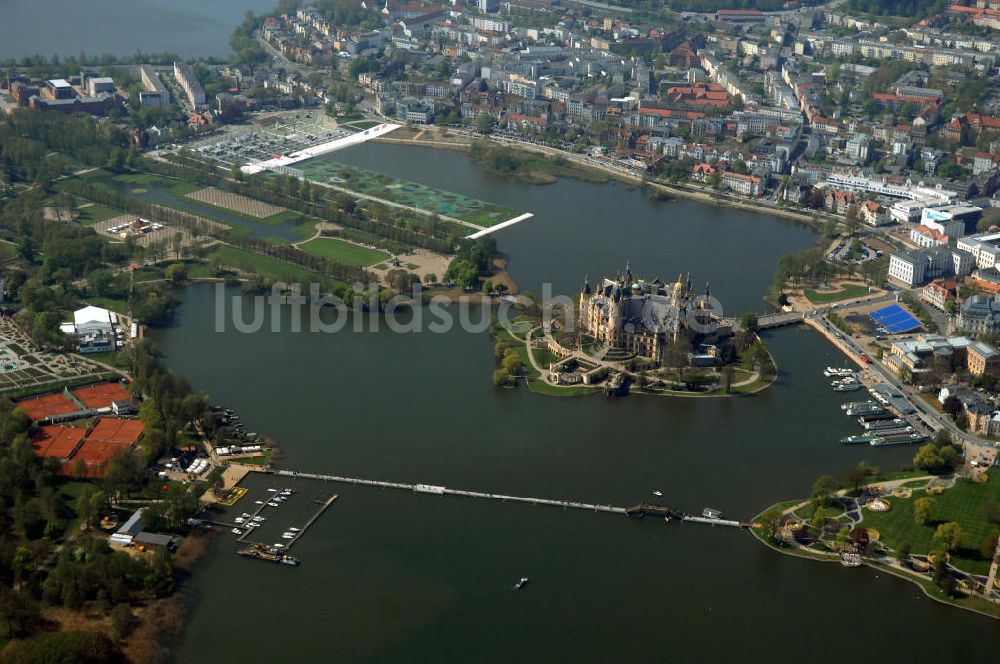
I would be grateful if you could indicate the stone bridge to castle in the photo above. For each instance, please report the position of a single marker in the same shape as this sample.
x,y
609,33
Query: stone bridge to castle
x,y
770,320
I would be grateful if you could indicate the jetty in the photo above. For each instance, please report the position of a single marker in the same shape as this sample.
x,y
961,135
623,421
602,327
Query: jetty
x,y
311,521
640,510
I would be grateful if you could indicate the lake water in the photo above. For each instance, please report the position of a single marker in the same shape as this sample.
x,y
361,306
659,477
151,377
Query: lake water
x,y
388,575
189,28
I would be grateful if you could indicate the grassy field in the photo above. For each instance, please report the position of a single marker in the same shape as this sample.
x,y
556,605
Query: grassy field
x,y
846,293
267,267
7,250
965,503
118,306
541,387
96,213
344,252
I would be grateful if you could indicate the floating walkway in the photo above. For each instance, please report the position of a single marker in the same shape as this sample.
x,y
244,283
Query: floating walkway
x,y
638,510
502,224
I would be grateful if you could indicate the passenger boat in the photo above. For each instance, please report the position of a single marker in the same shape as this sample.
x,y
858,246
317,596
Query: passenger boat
x,y
910,439
832,371
863,438
847,386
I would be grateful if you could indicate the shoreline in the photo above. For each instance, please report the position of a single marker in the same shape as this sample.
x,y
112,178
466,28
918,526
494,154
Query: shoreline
x,y
831,557
682,191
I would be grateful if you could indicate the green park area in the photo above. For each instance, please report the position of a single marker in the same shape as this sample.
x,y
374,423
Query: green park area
x,y
270,268
95,213
344,252
847,292
404,192
974,506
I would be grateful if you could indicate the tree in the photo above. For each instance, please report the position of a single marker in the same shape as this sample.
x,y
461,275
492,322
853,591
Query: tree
x,y
952,406
823,490
122,621
856,476
988,546
903,552
176,273
770,521
922,510
949,535
484,124
748,322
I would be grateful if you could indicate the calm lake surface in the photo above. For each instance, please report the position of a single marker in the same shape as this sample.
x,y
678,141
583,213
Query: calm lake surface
x,y
189,28
388,575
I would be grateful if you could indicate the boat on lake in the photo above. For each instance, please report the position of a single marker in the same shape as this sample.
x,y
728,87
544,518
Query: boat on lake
x,y
835,371
521,583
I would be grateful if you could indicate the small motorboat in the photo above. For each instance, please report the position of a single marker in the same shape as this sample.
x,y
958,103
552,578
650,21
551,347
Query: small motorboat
x,y
236,531
521,583
657,493
272,504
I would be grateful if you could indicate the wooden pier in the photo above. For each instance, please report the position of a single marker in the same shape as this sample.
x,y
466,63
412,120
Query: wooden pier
x,y
319,512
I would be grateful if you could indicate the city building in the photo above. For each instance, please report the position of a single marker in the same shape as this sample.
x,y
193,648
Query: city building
x,y
189,83
985,248
156,94
918,266
983,359
979,314
748,185
939,293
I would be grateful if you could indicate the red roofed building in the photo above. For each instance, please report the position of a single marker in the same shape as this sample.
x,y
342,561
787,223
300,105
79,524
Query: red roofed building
x,y
699,95
873,214
748,185
924,236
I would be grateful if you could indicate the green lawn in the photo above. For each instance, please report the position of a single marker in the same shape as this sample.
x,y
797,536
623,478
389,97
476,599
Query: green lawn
x,y
266,267
96,213
344,252
7,250
965,503
848,292
119,306
541,387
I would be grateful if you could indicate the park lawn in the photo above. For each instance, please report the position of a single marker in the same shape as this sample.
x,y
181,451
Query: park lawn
x,y
343,252
541,387
118,306
96,213
119,360
263,265
8,250
846,293
964,503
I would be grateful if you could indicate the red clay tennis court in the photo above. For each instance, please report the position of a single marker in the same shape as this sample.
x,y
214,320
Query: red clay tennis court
x,y
109,430
101,396
44,406
57,442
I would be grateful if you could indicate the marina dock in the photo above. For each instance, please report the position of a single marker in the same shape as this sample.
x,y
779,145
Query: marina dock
x,y
311,521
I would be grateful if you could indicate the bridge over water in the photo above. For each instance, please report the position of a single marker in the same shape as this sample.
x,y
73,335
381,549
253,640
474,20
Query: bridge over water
x,y
767,321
